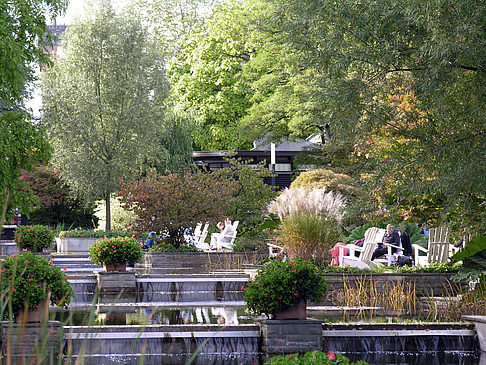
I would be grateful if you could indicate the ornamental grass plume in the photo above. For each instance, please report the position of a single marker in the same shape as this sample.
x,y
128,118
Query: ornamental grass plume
x,y
301,201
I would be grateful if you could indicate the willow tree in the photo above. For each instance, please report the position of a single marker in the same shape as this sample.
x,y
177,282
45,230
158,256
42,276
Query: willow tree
x,y
103,102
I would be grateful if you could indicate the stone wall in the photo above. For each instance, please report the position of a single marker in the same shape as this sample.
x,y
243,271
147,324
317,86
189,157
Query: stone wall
x,y
425,284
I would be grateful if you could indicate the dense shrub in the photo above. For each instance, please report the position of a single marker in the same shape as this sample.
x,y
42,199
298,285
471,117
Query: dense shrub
x,y
115,250
281,285
27,279
171,202
167,247
249,244
56,204
34,238
91,233
313,358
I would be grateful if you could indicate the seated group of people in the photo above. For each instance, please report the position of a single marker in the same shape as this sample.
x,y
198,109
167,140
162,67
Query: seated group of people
x,y
393,237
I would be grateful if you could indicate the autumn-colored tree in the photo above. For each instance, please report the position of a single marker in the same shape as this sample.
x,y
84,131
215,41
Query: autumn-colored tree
x,y
172,202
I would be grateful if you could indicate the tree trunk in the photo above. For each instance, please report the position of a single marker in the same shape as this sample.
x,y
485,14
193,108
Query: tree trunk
x,y
108,212
3,211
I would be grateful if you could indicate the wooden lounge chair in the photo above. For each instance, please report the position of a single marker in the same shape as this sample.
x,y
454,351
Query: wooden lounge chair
x,y
373,236
199,237
439,249
274,250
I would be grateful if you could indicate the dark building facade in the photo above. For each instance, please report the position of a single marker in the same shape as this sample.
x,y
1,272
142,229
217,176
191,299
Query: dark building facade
x,y
284,158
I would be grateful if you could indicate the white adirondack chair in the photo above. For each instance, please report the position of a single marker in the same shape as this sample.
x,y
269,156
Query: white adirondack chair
x,y
439,249
198,240
190,238
373,236
227,241
274,250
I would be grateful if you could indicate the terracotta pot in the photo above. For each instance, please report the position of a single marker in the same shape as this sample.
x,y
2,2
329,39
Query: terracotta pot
x,y
120,266
299,311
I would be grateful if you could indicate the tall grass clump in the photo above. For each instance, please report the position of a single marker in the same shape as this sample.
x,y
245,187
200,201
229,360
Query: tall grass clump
x,y
310,222
309,236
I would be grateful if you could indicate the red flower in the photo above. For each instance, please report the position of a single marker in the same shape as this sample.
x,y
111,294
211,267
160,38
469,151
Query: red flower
x,y
296,294
294,270
242,287
64,268
331,355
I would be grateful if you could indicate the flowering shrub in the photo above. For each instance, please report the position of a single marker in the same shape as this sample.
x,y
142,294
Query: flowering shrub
x,y
115,250
27,279
313,358
281,285
34,238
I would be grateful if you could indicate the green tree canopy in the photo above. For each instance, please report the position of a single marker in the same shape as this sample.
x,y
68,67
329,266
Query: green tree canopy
x,y
103,102
23,38
414,72
241,82
23,145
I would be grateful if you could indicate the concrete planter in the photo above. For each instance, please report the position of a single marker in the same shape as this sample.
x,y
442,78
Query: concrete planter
x,y
74,245
8,248
27,341
291,336
117,286
480,323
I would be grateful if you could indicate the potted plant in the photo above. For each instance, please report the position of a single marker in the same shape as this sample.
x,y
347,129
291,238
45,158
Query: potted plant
x,y
27,282
281,289
34,238
113,253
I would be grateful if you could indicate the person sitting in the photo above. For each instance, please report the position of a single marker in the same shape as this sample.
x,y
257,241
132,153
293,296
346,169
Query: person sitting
x,y
335,253
226,232
392,237
149,242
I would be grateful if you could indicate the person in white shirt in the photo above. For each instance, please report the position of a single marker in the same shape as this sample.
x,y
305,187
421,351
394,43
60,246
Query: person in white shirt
x,y
226,231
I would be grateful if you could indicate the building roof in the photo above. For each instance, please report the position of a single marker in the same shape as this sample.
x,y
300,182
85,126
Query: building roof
x,y
297,144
